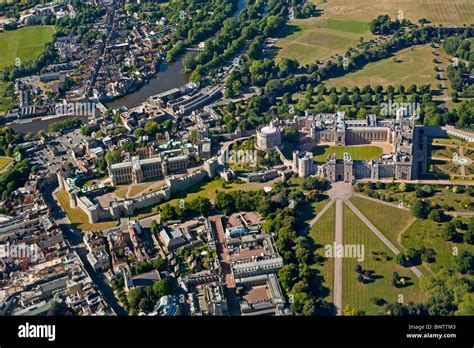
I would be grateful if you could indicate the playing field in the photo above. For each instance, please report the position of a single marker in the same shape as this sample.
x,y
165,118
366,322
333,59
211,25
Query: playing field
x,y
357,152
25,43
343,22
411,67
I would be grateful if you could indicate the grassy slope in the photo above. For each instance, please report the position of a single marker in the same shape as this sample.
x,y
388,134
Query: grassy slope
x,y
25,43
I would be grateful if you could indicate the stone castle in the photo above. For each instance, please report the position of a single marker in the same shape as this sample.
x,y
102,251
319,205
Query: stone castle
x,y
334,129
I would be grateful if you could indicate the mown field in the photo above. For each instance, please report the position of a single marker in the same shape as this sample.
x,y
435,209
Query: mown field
x,y
407,67
318,38
343,22
377,258
357,152
390,221
323,233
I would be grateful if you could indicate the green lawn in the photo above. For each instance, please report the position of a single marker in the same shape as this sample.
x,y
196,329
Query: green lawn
x,y
427,233
390,221
359,295
411,67
357,152
4,162
25,43
323,233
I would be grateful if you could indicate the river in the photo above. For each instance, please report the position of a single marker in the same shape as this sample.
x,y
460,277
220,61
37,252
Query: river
x,y
169,76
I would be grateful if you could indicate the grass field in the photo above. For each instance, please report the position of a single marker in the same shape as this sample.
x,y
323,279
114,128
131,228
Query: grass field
x,y
411,67
307,40
323,233
25,44
455,12
343,22
4,162
428,233
390,221
78,218
358,294
357,152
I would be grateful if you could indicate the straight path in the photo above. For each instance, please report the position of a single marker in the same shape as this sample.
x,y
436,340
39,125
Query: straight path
x,y
338,260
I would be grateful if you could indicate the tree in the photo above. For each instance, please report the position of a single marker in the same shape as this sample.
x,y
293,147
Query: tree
x,y
468,237
401,260
348,310
145,305
134,296
466,307
420,209
113,156
449,231
288,276
436,215
162,288
402,187
168,212
465,263
151,128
